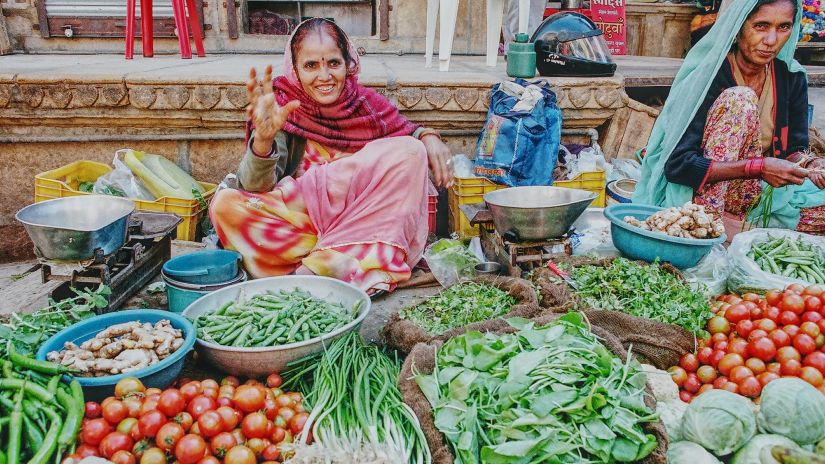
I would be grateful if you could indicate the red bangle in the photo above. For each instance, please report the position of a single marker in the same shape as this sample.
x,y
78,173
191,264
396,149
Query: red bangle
x,y
753,167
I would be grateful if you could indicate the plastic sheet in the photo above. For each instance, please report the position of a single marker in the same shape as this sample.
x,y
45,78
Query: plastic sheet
x,y
121,182
450,262
711,274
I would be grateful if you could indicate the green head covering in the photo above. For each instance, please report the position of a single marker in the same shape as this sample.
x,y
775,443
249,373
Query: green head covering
x,y
687,94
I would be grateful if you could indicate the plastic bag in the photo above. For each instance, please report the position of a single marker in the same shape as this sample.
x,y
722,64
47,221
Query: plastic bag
x,y
746,275
625,169
450,262
463,166
121,182
711,274
588,160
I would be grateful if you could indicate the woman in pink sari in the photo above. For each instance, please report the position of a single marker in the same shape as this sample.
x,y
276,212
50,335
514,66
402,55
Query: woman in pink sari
x,y
334,180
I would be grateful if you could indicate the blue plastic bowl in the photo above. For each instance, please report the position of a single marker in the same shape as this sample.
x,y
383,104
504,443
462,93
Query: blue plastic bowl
x,y
179,295
205,267
637,243
159,375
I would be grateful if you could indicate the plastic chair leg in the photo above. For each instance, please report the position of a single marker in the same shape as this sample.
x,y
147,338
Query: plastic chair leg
x,y
432,15
495,18
195,24
146,28
130,28
449,15
179,12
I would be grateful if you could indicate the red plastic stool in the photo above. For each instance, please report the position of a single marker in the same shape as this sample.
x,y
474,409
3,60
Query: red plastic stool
x,y
179,11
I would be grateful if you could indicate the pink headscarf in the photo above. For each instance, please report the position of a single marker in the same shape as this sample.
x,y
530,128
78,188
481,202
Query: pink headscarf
x,y
360,115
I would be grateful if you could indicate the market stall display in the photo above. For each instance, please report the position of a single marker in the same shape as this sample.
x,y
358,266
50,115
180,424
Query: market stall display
x,y
689,221
756,340
765,259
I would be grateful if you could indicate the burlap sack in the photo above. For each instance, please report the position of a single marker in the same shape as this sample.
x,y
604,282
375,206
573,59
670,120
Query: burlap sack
x,y
421,360
402,334
656,343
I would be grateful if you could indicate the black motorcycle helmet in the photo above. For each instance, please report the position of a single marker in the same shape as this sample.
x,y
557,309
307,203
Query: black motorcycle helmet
x,y
570,44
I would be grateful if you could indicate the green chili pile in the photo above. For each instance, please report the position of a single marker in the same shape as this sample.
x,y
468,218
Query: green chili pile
x,y
643,291
459,305
543,394
40,416
790,258
268,319
355,401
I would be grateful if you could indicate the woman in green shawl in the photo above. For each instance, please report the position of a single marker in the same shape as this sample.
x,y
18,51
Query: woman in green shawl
x,y
736,120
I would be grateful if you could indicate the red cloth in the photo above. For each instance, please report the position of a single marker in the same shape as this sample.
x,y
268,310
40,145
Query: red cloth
x,y
360,115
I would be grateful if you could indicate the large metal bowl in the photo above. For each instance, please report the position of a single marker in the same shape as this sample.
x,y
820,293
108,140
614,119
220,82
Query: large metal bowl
x,y
258,362
72,228
536,213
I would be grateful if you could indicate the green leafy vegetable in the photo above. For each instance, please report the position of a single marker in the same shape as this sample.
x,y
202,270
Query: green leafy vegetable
x,y
458,306
644,291
793,408
543,394
720,421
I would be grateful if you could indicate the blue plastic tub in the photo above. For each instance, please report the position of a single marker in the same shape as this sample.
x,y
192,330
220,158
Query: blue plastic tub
x,y
179,295
159,375
637,243
207,267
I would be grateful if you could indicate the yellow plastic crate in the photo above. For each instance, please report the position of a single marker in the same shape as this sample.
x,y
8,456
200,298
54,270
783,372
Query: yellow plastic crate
x,y
65,182
471,190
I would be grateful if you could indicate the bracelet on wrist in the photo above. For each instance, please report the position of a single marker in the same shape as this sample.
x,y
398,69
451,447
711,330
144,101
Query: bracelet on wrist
x,y
426,132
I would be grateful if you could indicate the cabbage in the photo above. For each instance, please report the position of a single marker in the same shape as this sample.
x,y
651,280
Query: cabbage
x,y
720,421
671,413
686,452
758,450
793,408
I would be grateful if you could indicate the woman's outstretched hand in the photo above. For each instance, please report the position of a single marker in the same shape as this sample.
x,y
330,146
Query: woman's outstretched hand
x,y
264,112
817,172
440,160
779,172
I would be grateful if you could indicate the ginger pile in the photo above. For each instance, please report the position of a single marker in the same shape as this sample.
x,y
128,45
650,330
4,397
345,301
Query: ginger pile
x,y
120,348
689,221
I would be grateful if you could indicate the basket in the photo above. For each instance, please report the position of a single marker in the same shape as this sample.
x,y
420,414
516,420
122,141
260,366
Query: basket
x,y
65,182
471,190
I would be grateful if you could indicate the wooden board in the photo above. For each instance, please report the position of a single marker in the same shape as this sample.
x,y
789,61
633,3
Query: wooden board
x,y
629,130
5,43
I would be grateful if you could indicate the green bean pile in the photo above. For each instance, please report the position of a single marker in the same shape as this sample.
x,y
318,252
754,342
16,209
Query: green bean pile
x,y
269,319
790,258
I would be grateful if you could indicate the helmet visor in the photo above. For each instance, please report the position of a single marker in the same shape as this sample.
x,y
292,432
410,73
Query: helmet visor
x,y
592,48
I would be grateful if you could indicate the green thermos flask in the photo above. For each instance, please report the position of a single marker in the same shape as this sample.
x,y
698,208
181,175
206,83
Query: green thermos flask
x,y
521,57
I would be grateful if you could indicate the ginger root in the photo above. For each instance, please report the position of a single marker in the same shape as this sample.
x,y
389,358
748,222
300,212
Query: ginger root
x,y
689,221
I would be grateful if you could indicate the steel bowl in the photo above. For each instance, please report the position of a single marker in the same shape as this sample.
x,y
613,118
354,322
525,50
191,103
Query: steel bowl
x,y
536,213
258,362
72,228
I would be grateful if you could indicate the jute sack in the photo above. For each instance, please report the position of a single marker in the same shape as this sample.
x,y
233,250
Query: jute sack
x,y
421,360
655,342
403,334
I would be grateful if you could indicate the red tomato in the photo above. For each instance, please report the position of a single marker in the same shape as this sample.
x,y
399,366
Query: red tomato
x,y
766,377
772,313
128,386
210,392
720,337
230,380
274,380
148,405
811,375
804,343
286,401
774,367
171,402
115,411
815,290
289,413
185,420
240,455
811,316
123,457
92,410
759,311
150,423
714,358
756,365
126,425
738,346
738,373
255,425
685,396
229,417
773,297
757,333
815,359
731,387
224,401
271,453
751,297
195,429
809,328
737,312
278,435
222,443
795,288
744,328
257,445
779,338
191,390
209,460
821,324
721,346
133,404
239,436
248,398
115,442
762,348
210,383
728,362
85,451
190,449
794,303
703,355
718,324
297,423
820,341
94,430
787,353
791,367
211,423
791,330
750,387
152,391
153,456
692,385
169,435
813,303
199,405
788,318
766,324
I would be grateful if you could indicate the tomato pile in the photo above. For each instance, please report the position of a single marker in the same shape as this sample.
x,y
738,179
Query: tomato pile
x,y
755,340
199,422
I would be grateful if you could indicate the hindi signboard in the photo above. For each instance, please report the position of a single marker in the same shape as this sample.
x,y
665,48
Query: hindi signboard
x,y
609,16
